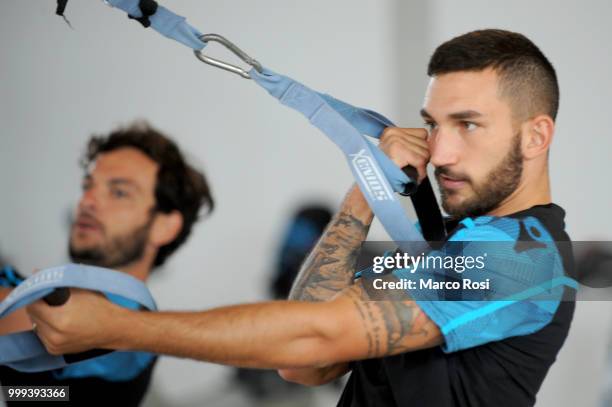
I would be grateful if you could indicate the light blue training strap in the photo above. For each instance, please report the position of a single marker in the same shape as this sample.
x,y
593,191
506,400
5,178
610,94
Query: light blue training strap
x,y
344,124
23,351
377,176
165,22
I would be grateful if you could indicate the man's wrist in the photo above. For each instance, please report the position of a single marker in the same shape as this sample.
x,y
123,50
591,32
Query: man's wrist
x,y
356,204
124,322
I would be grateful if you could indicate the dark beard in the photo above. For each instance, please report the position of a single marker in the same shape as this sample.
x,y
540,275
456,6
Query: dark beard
x,y
500,183
120,251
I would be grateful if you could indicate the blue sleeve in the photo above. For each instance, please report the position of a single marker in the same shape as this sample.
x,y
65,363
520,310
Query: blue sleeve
x,y
466,324
526,285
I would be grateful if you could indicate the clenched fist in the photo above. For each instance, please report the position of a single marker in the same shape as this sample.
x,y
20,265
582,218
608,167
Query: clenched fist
x,y
406,147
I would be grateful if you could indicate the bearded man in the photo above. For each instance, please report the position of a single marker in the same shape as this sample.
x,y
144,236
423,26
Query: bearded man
x,y
139,202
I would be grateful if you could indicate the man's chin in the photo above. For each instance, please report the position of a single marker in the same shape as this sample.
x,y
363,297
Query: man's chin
x,y
90,255
452,201
455,206
85,241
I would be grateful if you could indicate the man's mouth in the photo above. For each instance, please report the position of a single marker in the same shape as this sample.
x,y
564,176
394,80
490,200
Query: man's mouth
x,y
451,183
87,224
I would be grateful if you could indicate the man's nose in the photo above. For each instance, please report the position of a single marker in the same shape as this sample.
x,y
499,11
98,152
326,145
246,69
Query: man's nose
x,y
89,199
444,147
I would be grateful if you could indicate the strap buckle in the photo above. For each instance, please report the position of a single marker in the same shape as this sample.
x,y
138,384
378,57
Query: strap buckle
x,y
224,65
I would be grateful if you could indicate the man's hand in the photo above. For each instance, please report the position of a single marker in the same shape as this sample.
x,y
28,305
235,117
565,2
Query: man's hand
x,y
17,321
407,147
85,322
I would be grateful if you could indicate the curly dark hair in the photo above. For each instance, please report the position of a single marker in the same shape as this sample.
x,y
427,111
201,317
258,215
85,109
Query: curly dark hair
x,y
179,186
526,76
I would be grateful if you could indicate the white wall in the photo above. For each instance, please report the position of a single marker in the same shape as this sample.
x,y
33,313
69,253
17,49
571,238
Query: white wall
x,y
576,38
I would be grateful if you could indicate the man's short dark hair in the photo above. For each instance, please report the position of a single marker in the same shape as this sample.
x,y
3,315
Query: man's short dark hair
x,y
178,187
526,76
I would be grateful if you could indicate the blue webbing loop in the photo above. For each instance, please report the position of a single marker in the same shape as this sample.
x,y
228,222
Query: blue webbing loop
x,y
23,351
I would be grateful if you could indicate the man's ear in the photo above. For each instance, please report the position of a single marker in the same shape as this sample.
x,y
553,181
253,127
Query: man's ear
x,y
165,228
537,135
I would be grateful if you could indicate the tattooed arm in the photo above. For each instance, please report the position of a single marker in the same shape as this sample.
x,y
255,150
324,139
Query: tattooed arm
x,y
330,266
280,334
390,326
329,269
370,328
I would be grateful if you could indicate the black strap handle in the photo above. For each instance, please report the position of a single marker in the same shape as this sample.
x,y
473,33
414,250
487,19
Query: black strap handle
x,y
147,8
61,7
412,186
425,206
428,212
59,297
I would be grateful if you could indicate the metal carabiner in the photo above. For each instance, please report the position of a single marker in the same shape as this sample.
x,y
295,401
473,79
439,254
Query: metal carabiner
x,y
224,65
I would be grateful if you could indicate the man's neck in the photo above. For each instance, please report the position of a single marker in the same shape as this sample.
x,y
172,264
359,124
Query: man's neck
x,y
529,193
139,270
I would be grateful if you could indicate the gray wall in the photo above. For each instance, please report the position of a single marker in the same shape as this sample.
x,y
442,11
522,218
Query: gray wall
x,y
57,86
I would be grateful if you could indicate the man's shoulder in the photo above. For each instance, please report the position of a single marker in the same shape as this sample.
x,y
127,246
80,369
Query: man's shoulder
x,y
540,223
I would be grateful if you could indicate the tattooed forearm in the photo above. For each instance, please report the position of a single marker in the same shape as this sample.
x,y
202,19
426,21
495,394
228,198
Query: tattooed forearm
x,y
393,326
330,266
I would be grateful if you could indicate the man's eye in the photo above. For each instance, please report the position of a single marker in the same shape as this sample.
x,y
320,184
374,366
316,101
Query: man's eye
x,y
469,126
430,125
118,193
85,186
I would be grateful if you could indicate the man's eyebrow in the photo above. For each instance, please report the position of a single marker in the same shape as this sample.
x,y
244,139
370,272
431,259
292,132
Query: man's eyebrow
x,y
465,114
425,114
124,181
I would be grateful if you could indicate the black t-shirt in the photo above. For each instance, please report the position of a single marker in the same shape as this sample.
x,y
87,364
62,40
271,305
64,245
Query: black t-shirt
x,y
508,372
